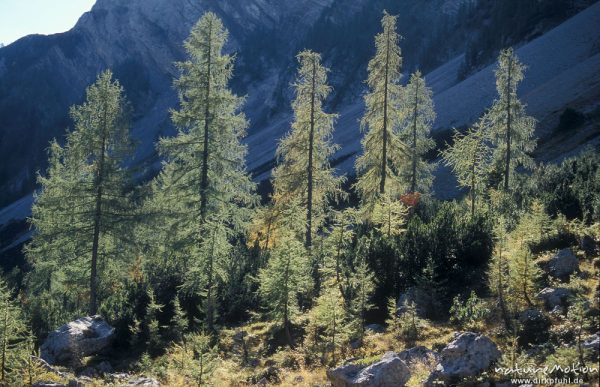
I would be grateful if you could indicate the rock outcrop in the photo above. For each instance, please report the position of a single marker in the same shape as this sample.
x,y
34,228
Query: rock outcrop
x,y
592,344
419,354
389,371
563,264
555,297
85,336
467,355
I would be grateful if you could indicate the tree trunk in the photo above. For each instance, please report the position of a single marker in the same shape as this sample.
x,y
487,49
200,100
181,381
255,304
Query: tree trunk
x,y
210,309
385,118
473,187
97,217
4,343
508,128
338,256
413,185
505,317
205,152
286,317
309,204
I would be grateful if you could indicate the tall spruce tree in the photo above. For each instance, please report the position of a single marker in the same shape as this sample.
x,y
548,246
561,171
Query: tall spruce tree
x,y
204,189
417,119
82,215
304,171
470,158
510,128
383,150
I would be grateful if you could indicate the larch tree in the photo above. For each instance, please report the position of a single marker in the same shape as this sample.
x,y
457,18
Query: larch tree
x,y
82,214
384,152
389,216
329,321
510,128
470,158
338,246
417,119
498,272
14,338
286,276
304,171
204,188
362,287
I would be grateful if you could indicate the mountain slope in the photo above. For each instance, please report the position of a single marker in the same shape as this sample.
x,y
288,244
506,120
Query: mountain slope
x,y
41,76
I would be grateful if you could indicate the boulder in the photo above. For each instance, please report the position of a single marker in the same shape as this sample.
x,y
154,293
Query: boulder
x,y
419,354
592,344
389,371
146,382
563,264
553,297
85,336
467,355
533,327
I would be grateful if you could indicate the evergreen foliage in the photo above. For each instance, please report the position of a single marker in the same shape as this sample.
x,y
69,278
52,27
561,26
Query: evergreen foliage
x,y
14,338
498,274
417,119
403,322
82,214
363,286
286,276
469,314
470,158
389,216
203,194
330,323
510,129
571,187
378,168
303,172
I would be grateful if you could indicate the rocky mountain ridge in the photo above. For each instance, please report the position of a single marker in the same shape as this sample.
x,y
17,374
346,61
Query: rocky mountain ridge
x,y
41,76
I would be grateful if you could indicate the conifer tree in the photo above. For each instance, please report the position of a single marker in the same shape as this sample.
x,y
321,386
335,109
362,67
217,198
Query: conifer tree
x,y
338,248
330,320
417,119
204,191
389,216
82,215
510,128
524,273
179,322
404,322
287,274
534,225
470,157
383,150
14,338
363,286
304,171
498,274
